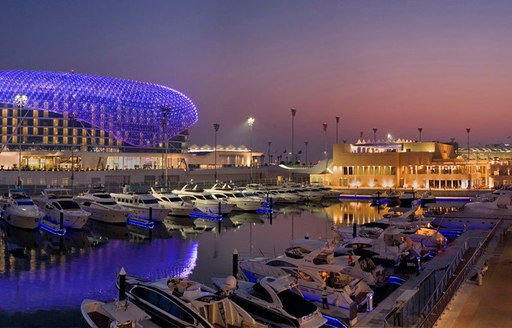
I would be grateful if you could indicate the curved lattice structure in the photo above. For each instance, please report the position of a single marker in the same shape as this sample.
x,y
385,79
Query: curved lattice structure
x,y
137,113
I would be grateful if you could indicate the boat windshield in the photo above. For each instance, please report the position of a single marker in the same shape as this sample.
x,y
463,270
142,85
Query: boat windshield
x,y
26,202
68,205
209,197
102,195
295,304
150,201
107,203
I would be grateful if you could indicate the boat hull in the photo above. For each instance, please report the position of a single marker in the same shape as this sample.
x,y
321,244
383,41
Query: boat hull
x,y
21,221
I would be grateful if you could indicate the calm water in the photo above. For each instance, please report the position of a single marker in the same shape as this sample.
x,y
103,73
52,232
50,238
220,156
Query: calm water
x,y
43,280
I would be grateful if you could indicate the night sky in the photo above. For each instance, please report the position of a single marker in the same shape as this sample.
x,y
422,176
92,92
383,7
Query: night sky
x,y
394,65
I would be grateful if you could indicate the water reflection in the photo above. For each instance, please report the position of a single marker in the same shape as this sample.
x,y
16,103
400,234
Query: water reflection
x,y
50,272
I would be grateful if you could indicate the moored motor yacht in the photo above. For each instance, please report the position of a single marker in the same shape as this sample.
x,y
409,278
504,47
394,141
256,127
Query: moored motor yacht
x,y
203,200
273,300
19,210
165,308
103,207
178,206
218,309
57,202
142,204
117,314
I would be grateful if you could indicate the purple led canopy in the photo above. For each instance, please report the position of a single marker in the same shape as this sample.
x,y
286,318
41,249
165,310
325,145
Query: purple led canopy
x,y
138,113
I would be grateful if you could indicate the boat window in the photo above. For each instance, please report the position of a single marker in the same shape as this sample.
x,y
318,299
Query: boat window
x,y
165,199
261,293
280,263
174,199
208,197
295,304
337,280
57,205
304,276
164,303
150,201
69,205
25,202
239,194
102,195
86,204
106,203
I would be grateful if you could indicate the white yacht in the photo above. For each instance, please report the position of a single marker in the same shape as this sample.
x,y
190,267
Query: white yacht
x,y
275,301
57,201
224,191
203,200
114,314
19,210
345,283
178,206
218,309
103,207
142,204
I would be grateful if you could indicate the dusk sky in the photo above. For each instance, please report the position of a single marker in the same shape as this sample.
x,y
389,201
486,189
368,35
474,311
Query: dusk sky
x,y
394,65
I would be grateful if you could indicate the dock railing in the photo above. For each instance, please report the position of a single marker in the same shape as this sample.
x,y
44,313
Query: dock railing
x,y
421,307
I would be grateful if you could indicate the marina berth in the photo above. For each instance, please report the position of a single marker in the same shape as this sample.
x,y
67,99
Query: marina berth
x,y
57,203
165,308
216,308
203,200
241,202
19,210
273,301
103,207
142,204
178,206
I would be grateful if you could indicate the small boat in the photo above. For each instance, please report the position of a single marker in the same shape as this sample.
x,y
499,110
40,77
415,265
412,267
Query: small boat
x,y
117,314
428,198
19,210
274,301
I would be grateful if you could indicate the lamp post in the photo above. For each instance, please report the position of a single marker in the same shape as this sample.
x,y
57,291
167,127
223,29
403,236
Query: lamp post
x,y
419,130
337,123
468,130
165,118
20,101
374,134
269,144
325,143
71,117
306,144
250,121
294,112
216,128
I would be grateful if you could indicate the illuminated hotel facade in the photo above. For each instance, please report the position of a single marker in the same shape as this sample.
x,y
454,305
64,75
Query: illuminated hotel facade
x,y
54,122
385,164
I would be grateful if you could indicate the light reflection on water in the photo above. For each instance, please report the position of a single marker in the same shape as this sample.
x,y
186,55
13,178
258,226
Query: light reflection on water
x,y
55,275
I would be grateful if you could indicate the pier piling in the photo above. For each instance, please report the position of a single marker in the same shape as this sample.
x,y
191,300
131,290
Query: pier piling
x,y
235,263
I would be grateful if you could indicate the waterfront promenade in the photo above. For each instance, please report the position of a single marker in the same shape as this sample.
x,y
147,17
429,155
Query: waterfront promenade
x,y
487,305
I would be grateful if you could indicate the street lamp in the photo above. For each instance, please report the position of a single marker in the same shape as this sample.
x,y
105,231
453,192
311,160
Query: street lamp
x,y
325,142
374,134
165,118
250,121
294,112
269,144
419,130
306,144
337,123
216,128
20,100
71,117
468,130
